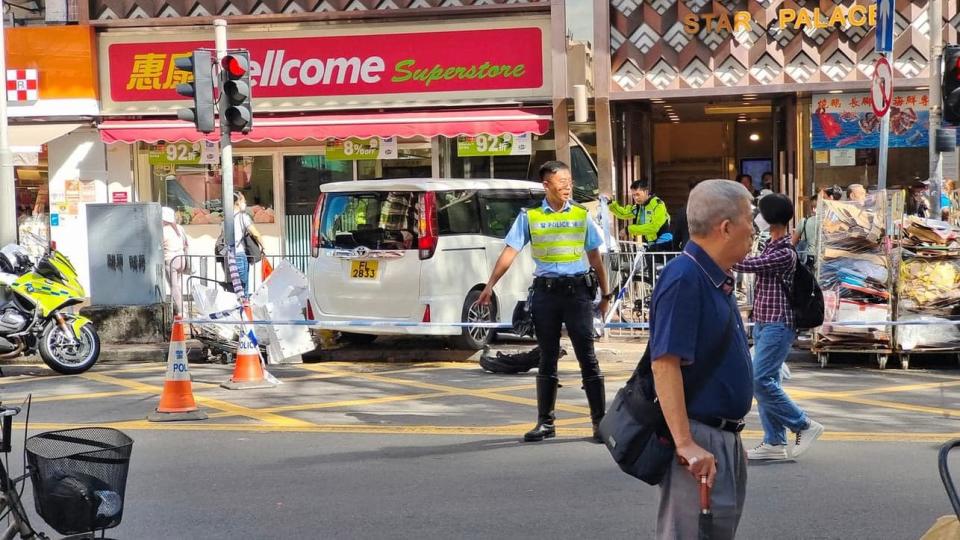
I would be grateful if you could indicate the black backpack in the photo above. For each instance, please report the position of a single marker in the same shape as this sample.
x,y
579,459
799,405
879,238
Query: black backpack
x,y
679,229
806,298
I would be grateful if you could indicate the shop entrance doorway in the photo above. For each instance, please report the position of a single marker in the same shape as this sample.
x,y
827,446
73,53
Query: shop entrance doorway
x,y
676,143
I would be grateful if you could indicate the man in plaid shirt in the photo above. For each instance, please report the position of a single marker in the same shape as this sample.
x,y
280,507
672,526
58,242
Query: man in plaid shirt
x,y
773,336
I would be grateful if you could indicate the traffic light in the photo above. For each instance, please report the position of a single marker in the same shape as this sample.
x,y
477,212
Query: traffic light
x,y
951,84
198,64
236,110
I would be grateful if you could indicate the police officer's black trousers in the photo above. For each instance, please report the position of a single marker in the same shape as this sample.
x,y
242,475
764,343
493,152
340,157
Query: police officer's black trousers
x,y
572,306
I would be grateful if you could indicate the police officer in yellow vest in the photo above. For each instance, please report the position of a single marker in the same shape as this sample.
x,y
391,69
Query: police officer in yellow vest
x,y
565,244
649,216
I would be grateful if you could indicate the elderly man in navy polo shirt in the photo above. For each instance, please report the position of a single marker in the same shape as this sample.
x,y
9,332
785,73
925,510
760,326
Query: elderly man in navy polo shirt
x,y
697,341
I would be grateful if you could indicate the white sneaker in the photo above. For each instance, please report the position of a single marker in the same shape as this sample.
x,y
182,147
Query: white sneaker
x,y
785,373
768,451
806,437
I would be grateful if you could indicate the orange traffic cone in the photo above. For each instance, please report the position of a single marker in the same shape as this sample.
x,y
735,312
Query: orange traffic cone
x,y
248,372
176,401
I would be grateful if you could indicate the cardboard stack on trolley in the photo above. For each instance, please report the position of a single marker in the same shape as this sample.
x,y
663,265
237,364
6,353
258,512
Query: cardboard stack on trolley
x,y
894,277
928,289
856,266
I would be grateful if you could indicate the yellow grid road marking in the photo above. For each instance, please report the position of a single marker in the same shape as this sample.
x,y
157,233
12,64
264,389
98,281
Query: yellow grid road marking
x,y
334,404
221,405
276,422
948,413
485,393
902,388
71,397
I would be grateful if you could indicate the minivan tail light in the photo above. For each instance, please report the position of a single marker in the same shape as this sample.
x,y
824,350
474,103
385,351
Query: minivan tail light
x,y
429,228
315,227
426,314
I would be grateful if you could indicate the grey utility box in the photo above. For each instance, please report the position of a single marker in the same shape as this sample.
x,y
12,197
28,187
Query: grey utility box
x,y
126,254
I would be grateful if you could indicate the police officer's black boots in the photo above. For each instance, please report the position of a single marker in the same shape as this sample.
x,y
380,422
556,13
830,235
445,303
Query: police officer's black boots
x,y
596,398
546,400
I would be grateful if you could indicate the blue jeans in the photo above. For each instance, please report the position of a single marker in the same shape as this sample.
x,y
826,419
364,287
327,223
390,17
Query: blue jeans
x,y
772,343
243,268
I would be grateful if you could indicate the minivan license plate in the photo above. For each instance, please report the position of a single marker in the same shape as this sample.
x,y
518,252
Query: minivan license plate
x,y
364,269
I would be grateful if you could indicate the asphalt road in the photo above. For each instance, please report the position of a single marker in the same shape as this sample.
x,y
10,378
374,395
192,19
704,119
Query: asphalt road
x,y
431,451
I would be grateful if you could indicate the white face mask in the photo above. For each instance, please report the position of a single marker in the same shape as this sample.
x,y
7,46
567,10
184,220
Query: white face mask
x,y
761,223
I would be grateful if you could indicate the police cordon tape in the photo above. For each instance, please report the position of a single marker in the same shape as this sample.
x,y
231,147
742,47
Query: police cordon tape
x,y
337,324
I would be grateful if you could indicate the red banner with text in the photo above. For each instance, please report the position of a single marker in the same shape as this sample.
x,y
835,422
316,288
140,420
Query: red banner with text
x,y
304,67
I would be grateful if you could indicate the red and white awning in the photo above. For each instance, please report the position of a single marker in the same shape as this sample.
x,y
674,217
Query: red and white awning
x,y
318,127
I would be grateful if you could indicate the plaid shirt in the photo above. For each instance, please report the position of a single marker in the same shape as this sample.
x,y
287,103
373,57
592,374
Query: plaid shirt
x,y
774,268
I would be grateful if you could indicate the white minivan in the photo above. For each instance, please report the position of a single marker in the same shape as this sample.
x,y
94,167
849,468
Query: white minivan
x,y
417,250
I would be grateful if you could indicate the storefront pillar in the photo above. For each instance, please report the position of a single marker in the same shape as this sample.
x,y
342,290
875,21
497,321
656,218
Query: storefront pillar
x,y
78,174
604,124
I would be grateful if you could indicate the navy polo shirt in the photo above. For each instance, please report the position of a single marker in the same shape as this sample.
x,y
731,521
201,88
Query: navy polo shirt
x,y
691,305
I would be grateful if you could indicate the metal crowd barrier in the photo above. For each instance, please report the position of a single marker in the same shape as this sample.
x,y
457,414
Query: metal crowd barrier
x,y
208,269
635,272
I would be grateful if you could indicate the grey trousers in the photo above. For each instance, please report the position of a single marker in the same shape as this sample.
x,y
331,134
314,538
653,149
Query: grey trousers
x,y
679,514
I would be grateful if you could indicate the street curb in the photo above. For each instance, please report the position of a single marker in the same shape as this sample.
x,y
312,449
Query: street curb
x,y
120,353
606,352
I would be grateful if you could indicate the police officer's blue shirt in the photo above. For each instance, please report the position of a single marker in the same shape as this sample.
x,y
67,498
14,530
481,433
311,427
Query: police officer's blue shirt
x,y
691,305
519,236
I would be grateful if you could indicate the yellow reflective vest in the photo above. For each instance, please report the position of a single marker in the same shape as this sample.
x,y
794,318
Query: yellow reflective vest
x,y
558,237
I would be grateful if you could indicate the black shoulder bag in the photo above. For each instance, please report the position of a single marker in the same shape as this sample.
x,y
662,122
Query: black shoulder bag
x,y
252,249
634,429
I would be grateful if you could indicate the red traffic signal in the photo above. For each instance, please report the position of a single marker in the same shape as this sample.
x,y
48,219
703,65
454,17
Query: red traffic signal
x,y
236,66
236,109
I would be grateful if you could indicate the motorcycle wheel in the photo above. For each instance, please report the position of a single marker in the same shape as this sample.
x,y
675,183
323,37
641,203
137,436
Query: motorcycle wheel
x,y
64,357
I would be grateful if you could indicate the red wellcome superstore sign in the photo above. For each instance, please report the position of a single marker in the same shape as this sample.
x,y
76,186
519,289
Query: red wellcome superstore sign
x,y
474,60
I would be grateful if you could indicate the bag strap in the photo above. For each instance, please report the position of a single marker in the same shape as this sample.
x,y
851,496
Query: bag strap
x,y
721,348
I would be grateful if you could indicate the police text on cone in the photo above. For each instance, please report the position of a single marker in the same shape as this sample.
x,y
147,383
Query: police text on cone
x,y
176,401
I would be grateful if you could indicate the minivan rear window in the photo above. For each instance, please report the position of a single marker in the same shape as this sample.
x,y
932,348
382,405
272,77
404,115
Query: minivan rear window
x,y
376,220
499,210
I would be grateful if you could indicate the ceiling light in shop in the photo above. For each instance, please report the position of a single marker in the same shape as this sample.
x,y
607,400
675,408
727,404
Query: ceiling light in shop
x,y
754,137
736,109
27,174
741,120
835,92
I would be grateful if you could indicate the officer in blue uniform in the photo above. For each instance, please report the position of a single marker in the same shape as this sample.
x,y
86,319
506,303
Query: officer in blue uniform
x,y
564,243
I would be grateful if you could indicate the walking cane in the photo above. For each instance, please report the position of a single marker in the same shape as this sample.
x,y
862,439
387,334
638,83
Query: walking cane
x,y
705,523
706,514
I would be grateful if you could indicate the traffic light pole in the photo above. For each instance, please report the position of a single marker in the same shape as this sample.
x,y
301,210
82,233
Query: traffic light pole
x,y
226,147
936,100
884,142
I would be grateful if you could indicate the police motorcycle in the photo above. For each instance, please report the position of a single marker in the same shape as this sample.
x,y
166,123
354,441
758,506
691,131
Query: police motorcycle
x,y
36,315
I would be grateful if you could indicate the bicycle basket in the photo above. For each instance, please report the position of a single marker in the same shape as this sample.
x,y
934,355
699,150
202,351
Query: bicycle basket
x,y
79,477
